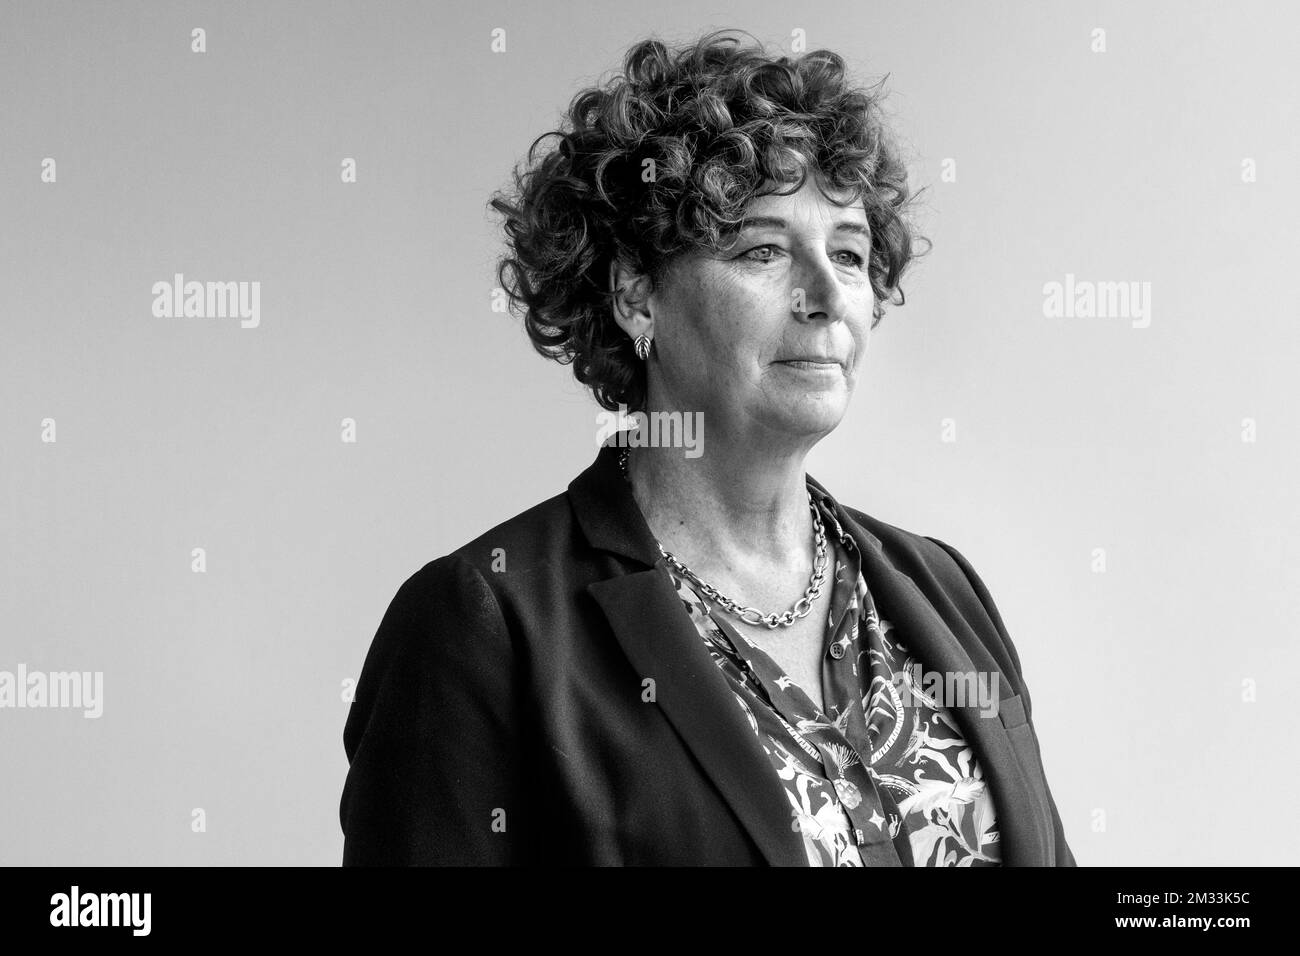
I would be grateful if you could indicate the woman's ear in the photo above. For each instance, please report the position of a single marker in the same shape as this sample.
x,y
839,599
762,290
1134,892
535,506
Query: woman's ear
x,y
631,299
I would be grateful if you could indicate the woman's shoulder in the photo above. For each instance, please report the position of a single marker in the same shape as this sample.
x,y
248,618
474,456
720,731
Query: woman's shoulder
x,y
541,538
911,549
931,562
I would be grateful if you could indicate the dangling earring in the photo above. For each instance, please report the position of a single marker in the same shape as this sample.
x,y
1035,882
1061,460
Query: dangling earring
x,y
642,346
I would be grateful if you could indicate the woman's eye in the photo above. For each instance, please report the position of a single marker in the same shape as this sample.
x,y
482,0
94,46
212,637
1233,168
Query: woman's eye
x,y
765,253
854,258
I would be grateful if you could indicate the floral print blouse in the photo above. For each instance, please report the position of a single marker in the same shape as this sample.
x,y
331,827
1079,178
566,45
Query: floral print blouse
x,y
876,781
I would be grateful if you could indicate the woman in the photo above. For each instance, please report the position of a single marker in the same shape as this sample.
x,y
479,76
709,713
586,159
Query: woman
x,y
702,658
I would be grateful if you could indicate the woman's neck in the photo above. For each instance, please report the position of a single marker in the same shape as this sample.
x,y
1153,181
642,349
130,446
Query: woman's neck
x,y
738,505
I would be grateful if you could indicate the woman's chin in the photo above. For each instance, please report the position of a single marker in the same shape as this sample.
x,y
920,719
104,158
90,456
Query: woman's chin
x,y
811,413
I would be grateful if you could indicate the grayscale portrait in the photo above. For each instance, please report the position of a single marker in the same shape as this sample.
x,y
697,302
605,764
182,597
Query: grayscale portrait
x,y
698,654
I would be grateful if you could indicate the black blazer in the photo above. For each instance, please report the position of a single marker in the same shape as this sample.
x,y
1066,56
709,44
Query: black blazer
x,y
501,715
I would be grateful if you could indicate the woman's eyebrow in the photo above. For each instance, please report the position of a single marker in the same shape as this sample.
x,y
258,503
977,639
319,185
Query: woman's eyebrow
x,y
776,222
760,222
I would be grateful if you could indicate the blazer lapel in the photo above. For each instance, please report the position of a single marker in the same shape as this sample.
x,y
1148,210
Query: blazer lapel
x,y
955,648
662,643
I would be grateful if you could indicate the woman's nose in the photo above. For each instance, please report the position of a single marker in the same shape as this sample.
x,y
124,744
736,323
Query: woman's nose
x,y
818,293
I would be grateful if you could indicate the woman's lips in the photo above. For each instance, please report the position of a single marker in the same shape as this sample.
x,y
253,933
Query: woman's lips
x,y
812,365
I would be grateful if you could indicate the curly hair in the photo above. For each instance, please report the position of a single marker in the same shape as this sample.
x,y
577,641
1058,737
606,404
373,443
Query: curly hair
x,y
662,159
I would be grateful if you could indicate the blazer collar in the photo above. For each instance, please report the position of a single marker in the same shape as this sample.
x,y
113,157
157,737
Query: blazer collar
x,y
661,642
608,514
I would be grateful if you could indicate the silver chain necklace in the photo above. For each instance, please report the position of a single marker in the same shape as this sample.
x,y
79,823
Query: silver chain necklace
x,y
752,615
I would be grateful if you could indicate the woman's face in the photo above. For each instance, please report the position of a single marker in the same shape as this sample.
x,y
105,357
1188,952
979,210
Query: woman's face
x,y
768,335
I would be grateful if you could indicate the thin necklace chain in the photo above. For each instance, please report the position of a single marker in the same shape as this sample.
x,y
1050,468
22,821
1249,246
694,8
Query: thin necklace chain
x,y
752,615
